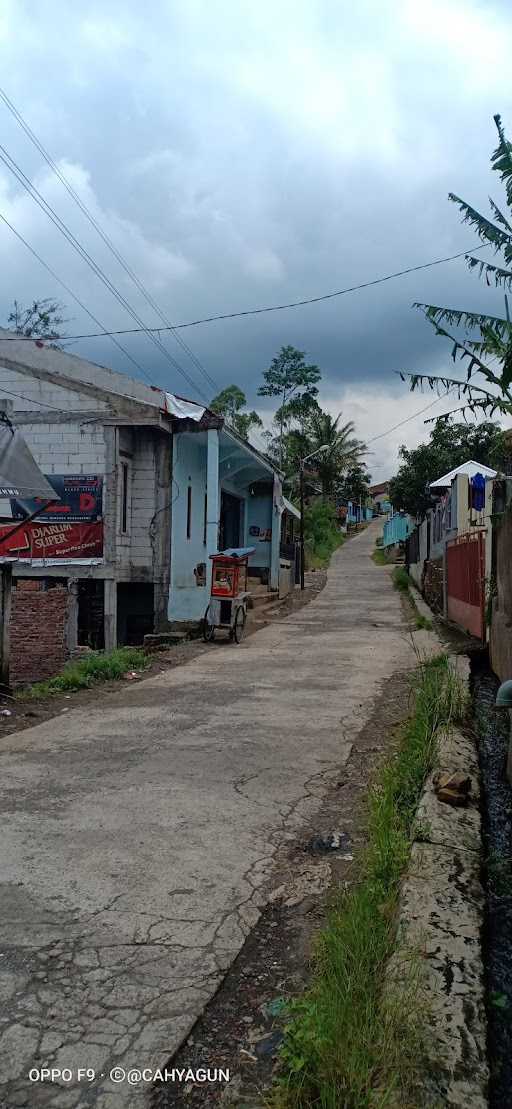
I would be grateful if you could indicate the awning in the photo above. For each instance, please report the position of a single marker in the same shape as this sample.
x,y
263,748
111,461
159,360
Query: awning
x,y
290,509
20,476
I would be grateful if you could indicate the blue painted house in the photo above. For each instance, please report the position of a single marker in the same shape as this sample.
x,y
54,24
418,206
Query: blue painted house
x,y
225,493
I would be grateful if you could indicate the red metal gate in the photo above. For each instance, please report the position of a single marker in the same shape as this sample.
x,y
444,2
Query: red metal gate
x,y
465,582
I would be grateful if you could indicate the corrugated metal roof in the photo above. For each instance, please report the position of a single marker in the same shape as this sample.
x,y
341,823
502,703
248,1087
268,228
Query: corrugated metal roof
x,y
470,468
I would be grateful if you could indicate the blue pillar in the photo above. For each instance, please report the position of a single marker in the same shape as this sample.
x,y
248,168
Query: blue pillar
x,y
213,500
275,547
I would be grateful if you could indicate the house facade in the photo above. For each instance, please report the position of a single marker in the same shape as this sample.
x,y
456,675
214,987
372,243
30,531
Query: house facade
x,y
379,498
149,486
449,551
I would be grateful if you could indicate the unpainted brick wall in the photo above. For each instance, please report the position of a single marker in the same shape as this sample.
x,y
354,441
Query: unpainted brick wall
x,y
39,619
433,584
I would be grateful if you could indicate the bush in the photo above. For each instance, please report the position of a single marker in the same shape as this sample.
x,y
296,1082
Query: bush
x,y
99,666
321,534
401,579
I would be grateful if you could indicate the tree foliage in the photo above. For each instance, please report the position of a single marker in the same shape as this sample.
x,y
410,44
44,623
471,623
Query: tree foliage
x,y
449,446
42,319
476,338
318,429
355,484
230,403
294,381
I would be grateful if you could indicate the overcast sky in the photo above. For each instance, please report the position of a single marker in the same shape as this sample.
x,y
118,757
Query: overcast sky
x,y
252,153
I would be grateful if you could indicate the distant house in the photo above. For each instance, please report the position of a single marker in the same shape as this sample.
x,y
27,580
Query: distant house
x,y
379,495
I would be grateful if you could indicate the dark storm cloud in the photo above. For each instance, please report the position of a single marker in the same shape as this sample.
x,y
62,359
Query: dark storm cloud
x,y
296,149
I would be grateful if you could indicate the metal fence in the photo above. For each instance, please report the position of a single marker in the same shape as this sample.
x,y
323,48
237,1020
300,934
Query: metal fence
x,y
465,582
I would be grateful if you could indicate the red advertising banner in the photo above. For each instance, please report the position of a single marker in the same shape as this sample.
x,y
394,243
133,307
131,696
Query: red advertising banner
x,y
66,541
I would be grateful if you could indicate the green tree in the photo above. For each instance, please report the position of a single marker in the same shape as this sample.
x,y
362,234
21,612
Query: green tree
x,y
42,319
355,484
345,451
480,339
449,446
230,404
294,381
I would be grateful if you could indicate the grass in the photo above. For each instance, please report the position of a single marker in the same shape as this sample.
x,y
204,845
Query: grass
x,y
422,622
348,1043
97,667
379,557
401,579
402,582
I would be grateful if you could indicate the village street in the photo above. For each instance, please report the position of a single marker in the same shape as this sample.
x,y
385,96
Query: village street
x,y
138,837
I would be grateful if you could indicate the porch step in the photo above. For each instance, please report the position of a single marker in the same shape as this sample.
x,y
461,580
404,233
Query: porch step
x,y
260,600
160,641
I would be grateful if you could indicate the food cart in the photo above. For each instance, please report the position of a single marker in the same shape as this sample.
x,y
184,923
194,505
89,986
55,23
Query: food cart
x,y
228,602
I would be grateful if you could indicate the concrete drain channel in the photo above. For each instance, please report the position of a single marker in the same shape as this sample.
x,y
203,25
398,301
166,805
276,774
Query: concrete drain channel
x,y
492,729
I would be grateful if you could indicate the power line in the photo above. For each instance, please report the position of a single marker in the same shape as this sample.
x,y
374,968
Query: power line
x,y
77,246
106,239
409,418
74,296
279,307
31,400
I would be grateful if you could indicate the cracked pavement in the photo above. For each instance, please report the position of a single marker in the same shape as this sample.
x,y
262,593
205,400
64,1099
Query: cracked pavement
x,y
138,837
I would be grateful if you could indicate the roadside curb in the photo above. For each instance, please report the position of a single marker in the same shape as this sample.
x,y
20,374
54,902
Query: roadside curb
x,y
441,917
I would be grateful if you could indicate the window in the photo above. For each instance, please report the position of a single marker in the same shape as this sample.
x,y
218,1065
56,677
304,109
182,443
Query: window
x,y
189,512
124,497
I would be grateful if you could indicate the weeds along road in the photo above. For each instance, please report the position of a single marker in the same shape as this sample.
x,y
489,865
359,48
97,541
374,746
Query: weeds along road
x,y
138,837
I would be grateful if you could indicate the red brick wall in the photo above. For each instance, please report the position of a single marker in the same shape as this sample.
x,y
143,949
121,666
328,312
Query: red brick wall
x,y
38,631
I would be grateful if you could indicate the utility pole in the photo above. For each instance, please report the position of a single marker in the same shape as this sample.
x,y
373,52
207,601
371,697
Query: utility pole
x,y
302,462
302,523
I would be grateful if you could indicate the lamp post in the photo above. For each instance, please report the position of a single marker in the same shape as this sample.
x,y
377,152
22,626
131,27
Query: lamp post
x,y
320,450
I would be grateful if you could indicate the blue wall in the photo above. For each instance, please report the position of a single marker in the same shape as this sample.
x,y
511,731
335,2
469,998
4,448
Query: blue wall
x,y
187,599
396,530
259,514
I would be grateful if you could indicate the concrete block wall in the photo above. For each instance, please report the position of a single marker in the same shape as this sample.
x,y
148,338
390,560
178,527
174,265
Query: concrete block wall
x,y
38,631
143,498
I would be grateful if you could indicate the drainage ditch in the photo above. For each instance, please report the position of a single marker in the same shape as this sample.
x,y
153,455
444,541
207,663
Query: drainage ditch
x,y
492,729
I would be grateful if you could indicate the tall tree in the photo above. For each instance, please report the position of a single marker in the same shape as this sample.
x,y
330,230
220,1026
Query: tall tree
x,y
355,484
230,404
42,319
294,381
344,450
476,338
449,446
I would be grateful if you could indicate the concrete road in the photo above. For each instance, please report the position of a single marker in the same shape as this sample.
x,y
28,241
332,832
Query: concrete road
x,y
138,838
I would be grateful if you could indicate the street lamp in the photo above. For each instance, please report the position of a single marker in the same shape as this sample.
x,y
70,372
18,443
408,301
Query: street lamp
x,y
320,450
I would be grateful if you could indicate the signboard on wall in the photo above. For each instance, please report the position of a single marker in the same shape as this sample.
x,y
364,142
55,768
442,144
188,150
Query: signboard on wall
x,y
81,499
62,540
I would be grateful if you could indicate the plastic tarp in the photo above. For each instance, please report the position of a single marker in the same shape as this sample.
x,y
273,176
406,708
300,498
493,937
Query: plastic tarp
x,y
182,409
20,476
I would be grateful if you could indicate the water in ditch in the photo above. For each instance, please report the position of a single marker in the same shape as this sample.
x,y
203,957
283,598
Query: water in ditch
x,y
493,733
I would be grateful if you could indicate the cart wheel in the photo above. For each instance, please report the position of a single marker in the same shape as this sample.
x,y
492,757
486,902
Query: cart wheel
x,y
208,629
239,625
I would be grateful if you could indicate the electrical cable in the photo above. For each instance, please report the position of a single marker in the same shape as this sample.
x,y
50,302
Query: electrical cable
x,y
74,296
106,239
409,418
282,307
17,172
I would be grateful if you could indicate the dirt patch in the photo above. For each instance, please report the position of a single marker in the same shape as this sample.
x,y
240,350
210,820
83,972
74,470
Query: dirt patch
x,y
241,1027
